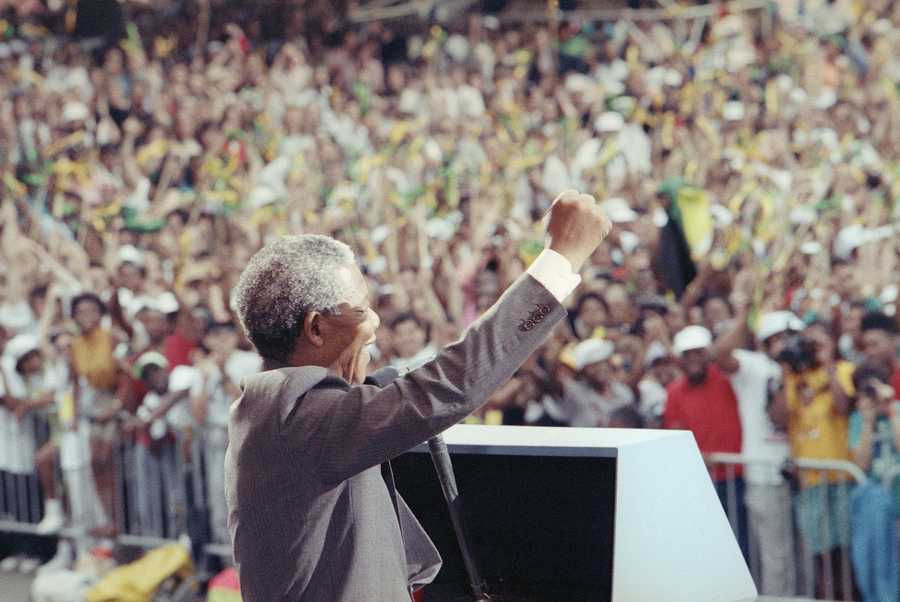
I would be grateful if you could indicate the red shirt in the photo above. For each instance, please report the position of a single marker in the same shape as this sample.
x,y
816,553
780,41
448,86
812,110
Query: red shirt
x,y
710,411
177,350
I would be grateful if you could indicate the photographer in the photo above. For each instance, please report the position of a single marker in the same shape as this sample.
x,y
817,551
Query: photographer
x,y
874,436
875,445
814,408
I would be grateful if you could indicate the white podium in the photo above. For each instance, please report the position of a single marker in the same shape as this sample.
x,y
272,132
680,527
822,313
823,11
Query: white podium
x,y
588,514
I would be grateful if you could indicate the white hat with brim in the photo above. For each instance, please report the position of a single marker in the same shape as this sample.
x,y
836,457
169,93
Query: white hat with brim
x,y
592,351
22,345
75,111
130,254
150,358
690,338
777,322
609,121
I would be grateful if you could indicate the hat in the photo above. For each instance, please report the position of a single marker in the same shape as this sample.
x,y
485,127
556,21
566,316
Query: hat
x,y
811,247
150,358
610,121
130,254
22,345
733,110
691,337
166,303
592,351
74,111
655,351
618,211
777,322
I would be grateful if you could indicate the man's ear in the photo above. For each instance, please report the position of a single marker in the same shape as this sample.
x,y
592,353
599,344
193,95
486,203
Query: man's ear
x,y
312,329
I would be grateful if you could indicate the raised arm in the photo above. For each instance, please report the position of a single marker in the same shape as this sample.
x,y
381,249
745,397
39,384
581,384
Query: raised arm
x,y
384,422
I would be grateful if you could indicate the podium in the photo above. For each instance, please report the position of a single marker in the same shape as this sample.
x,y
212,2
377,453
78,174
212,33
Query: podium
x,y
579,514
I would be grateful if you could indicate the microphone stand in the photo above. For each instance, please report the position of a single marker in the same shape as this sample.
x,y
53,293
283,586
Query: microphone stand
x,y
441,458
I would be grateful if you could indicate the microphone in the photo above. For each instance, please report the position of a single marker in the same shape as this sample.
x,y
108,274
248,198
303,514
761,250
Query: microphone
x,y
440,456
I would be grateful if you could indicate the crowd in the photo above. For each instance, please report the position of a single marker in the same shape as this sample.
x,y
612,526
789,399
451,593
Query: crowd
x,y
748,292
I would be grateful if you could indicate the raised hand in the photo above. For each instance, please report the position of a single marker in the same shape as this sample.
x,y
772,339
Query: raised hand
x,y
577,226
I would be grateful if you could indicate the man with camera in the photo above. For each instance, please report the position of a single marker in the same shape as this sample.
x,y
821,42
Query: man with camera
x,y
813,408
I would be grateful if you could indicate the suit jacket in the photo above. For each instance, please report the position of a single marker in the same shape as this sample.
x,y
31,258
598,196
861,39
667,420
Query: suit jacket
x,y
310,512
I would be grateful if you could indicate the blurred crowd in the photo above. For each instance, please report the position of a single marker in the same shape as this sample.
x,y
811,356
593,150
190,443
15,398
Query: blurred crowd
x,y
749,162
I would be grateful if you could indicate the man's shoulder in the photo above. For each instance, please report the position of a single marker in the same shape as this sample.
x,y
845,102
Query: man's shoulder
x,y
278,390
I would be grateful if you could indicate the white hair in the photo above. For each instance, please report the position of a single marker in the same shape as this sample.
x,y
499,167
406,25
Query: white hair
x,y
282,282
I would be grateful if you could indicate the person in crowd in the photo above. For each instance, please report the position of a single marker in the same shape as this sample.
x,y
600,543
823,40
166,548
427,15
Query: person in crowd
x,y
28,393
879,339
874,429
162,417
814,410
756,378
703,401
410,340
594,394
217,382
95,376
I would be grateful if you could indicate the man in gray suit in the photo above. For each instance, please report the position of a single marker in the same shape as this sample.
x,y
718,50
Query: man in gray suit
x,y
312,508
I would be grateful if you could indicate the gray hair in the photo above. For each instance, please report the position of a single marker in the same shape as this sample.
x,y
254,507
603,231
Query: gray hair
x,y
282,282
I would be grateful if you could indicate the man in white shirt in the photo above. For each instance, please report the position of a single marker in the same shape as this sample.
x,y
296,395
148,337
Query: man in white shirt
x,y
755,378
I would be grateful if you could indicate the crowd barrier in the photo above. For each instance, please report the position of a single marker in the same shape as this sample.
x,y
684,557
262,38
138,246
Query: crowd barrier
x,y
791,495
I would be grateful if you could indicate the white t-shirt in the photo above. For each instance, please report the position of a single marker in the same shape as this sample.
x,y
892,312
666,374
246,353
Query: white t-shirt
x,y
182,378
762,440
18,441
238,365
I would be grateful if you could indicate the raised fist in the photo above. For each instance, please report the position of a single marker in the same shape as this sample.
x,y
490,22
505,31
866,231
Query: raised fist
x,y
577,226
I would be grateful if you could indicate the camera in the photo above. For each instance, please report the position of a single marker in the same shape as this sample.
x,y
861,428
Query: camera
x,y
799,353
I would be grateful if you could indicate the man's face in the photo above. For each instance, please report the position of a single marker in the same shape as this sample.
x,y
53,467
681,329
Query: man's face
x,y
130,276
695,362
221,341
31,363
774,345
156,323
408,338
598,374
350,330
879,346
87,315
716,311
157,379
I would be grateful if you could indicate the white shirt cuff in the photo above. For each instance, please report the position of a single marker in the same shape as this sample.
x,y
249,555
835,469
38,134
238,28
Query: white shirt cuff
x,y
555,273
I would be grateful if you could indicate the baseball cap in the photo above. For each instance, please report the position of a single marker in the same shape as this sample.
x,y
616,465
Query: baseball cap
x,y
592,351
691,337
777,322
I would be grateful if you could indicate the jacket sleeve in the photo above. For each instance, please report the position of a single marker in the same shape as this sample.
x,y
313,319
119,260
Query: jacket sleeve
x,y
345,429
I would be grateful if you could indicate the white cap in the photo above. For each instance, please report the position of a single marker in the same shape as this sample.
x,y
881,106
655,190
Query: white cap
x,y
691,337
610,121
22,345
592,351
166,303
849,239
75,111
618,211
811,247
150,358
777,322
733,110
130,254
655,351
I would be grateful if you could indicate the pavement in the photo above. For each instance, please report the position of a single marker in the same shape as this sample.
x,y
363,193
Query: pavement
x,y
15,588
